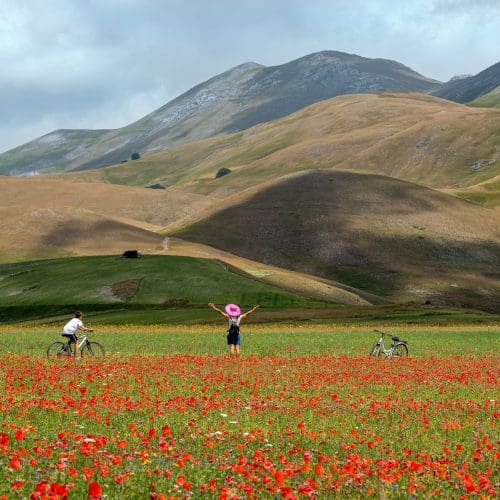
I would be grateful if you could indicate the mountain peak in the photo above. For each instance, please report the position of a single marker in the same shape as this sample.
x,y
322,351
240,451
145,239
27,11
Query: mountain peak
x,y
458,77
248,65
234,100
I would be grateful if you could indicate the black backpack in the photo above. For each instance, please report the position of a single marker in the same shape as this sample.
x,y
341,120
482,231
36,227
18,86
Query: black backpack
x,y
233,329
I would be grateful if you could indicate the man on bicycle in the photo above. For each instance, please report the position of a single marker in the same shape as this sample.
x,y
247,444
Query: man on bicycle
x,y
70,329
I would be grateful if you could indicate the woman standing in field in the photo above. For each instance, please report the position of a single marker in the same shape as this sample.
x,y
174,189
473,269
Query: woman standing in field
x,y
234,316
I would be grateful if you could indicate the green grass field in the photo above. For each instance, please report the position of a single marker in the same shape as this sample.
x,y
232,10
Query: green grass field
x,y
265,339
149,280
45,288
168,290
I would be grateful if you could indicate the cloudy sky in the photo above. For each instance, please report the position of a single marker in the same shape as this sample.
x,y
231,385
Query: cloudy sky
x,y
107,63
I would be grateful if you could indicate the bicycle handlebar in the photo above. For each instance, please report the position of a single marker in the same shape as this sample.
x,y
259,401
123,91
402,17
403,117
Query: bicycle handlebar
x,y
393,337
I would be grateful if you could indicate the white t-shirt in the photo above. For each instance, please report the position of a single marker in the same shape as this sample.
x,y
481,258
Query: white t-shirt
x,y
72,326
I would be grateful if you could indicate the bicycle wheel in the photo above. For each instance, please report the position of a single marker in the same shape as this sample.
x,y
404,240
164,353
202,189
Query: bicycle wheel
x,y
58,350
375,350
400,351
92,349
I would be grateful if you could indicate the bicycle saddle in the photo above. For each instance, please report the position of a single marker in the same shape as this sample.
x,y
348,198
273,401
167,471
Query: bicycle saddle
x,y
397,339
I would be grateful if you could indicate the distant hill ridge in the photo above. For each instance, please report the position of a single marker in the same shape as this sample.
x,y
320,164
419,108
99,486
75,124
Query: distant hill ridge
x,y
467,89
234,100
415,137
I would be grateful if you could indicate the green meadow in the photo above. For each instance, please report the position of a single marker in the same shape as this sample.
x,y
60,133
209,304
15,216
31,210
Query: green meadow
x,y
260,339
126,288
171,290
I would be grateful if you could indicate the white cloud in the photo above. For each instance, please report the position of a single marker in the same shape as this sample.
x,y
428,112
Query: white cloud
x,y
105,63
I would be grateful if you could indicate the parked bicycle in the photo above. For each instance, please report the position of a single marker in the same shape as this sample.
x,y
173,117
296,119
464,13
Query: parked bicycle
x,y
85,346
398,348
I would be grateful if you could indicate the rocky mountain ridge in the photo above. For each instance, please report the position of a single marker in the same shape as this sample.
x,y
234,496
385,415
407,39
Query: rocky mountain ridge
x,y
234,100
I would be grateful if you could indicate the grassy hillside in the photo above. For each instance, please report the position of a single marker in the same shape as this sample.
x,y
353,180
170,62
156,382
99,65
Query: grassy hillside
x,y
490,100
159,290
303,198
389,237
486,193
40,219
412,137
45,288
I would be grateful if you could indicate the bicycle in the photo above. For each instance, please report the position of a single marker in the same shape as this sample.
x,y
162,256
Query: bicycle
x,y
60,349
398,349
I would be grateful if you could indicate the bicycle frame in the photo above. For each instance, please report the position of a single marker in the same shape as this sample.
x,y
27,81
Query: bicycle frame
x,y
83,340
380,344
83,344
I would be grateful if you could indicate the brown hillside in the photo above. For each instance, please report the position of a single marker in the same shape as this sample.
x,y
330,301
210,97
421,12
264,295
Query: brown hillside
x,y
43,218
413,137
383,235
302,198
44,232
147,208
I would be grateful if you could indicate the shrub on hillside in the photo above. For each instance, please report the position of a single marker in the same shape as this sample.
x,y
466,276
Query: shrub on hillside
x,y
222,172
135,156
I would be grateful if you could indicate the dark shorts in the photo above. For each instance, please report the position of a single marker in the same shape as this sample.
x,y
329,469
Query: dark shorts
x,y
70,336
234,339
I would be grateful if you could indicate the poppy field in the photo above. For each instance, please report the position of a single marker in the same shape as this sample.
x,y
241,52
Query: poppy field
x,y
304,413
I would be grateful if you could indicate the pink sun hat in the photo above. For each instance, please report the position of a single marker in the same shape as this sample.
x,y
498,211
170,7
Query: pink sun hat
x,y
233,310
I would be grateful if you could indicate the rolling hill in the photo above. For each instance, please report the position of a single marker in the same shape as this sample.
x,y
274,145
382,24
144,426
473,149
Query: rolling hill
x,y
339,191
41,219
235,100
167,281
413,137
489,100
39,233
375,233
170,285
149,209
467,89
